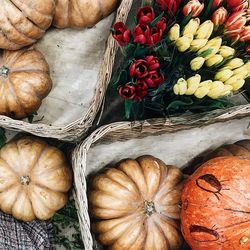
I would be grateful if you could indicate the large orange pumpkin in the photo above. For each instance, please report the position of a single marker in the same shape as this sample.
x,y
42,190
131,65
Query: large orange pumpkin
x,y
23,22
137,205
215,211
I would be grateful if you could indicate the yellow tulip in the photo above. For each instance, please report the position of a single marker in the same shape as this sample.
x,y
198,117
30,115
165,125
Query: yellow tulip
x,y
235,63
192,26
205,30
198,44
203,89
193,84
241,72
180,87
214,60
174,32
211,48
236,82
227,90
217,88
183,43
197,63
226,51
223,75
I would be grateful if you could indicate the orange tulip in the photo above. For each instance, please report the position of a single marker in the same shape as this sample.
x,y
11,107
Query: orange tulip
x,y
193,6
219,16
237,5
245,34
235,23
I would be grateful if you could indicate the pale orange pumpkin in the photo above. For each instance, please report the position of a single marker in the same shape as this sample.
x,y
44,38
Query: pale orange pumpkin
x,y
82,13
25,81
23,22
34,179
215,205
137,205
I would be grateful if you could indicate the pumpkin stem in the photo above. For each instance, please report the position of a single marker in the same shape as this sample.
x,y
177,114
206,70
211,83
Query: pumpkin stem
x,y
149,207
4,71
25,180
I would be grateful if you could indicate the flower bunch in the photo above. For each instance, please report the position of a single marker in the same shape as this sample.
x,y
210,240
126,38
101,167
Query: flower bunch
x,y
184,55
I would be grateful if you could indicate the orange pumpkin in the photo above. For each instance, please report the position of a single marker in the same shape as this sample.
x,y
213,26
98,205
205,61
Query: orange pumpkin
x,y
215,211
23,22
25,81
137,205
81,13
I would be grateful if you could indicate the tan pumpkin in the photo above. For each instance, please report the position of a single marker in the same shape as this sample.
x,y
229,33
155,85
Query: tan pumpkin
x,y
137,205
34,179
23,22
82,13
25,81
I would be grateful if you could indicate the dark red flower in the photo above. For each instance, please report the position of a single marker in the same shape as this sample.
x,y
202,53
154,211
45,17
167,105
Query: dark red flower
x,y
154,80
139,69
141,90
248,49
127,91
145,15
152,63
142,34
169,5
121,34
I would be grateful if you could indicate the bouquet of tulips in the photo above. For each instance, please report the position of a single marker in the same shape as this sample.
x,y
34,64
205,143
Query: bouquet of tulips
x,y
183,56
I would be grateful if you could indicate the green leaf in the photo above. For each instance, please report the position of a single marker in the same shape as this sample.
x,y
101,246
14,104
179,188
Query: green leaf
x,y
128,107
157,19
206,52
175,105
121,79
130,50
141,51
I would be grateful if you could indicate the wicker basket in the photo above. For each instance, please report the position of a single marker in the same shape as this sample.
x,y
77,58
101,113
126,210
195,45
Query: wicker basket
x,y
116,141
72,130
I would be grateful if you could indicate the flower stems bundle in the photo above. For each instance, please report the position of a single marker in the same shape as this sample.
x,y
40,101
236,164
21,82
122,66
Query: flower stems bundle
x,y
183,56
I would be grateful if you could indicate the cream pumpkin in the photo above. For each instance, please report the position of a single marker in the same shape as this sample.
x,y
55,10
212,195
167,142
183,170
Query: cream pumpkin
x,y
81,13
25,81
34,179
23,22
137,205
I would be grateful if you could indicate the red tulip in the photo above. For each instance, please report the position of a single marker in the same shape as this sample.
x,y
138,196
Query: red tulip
x,y
152,62
141,90
243,6
121,34
216,3
141,33
219,16
127,91
235,23
237,4
193,6
245,34
169,5
145,15
248,49
139,69
154,80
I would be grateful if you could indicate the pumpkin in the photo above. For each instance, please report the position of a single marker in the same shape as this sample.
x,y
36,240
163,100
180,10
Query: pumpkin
x,y
23,22
34,179
81,13
239,148
25,81
215,205
137,205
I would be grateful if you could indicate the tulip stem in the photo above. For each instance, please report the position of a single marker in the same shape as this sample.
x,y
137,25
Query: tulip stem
x,y
208,8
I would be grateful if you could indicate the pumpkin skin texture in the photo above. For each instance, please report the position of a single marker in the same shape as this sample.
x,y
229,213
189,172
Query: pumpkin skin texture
x,y
34,179
81,13
215,205
137,205
23,22
25,81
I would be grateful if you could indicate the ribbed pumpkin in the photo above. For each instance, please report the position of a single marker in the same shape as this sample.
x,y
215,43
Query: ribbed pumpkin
x,y
25,81
137,205
239,148
23,22
215,211
34,179
82,13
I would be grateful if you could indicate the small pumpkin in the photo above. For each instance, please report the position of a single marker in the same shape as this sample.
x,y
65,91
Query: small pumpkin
x,y
82,13
25,81
34,179
215,205
23,22
239,148
137,205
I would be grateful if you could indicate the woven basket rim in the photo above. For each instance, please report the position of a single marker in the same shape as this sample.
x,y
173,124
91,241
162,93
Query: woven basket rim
x,y
122,131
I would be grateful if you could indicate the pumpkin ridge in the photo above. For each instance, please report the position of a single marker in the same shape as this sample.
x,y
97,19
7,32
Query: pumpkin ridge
x,y
12,92
77,3
8,60
12,45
